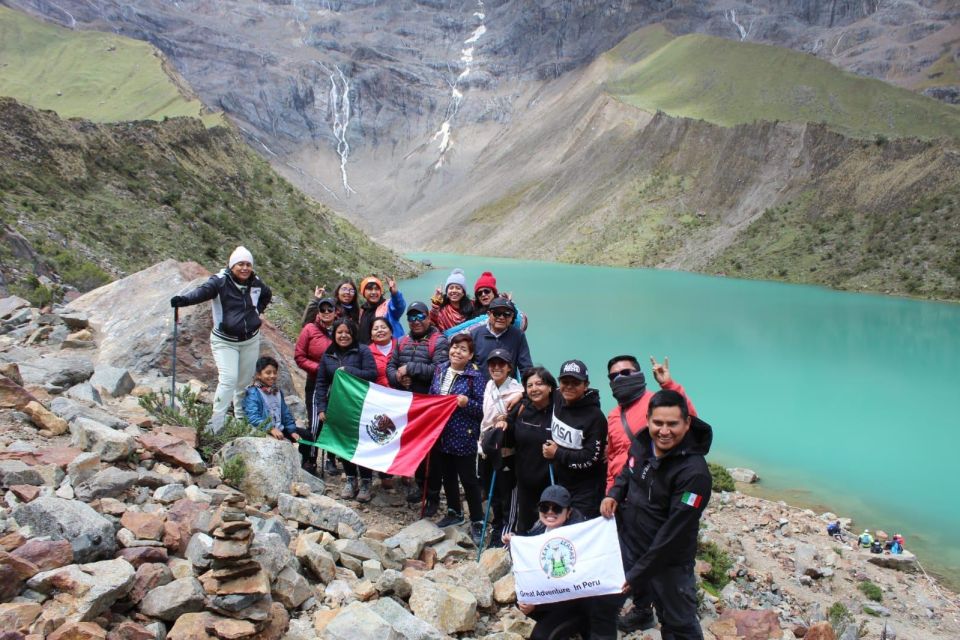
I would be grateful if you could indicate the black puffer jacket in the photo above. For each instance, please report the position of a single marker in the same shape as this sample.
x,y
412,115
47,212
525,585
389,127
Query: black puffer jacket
x,y
582,468
357,360
415,353
667,497
236,307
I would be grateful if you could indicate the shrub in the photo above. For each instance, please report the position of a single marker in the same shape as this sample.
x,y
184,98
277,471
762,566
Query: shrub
x,y
871,590
234,470
720,564
722,480
193,413
840,617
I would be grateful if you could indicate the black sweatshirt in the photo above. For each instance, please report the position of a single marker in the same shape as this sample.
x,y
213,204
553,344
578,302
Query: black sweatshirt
x,y
582,469
667,497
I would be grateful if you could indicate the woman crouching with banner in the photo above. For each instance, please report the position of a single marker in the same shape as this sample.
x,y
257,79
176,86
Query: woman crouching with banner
x,y
593,617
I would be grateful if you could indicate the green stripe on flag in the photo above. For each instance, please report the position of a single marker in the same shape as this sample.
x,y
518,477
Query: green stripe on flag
x,y
341,430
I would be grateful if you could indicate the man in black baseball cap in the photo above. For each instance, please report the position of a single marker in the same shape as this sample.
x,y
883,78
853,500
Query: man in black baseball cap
x,y
499,332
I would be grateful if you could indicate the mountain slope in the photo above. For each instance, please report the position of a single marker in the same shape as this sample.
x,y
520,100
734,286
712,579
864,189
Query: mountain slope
x,y
85,202
730,83
99,76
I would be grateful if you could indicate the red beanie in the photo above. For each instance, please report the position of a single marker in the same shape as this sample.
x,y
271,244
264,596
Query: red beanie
x,y
486,280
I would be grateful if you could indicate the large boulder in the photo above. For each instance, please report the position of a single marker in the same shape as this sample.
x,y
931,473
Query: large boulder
x,y
134,324
91,588
905,561
449,608
356,620
170,601
271,467
411,539
403,622
321,512
70,410
56,371
90,534
112,381
172,449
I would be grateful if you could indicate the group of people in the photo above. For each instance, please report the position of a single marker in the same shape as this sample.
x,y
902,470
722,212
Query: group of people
x,y
883,543
538,447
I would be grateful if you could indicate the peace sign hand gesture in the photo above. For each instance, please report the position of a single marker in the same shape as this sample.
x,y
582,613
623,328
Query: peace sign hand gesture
x,y
661,372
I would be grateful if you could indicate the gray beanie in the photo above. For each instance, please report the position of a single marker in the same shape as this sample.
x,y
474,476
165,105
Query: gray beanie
x,y
456,277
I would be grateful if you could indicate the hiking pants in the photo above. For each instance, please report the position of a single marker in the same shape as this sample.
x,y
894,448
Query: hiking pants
x,y
236,364
457,470
350,470
674,593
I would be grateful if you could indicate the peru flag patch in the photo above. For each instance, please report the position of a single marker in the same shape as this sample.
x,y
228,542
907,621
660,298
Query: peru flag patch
x,y
692,500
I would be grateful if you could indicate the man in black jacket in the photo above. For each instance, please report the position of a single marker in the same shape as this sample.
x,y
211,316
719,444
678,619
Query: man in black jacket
x,y
668,484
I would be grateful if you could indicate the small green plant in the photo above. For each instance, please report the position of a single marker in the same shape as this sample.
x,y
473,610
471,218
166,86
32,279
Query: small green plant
x,y
720,564
840,617
838,551
234,470
871,590
722,480
191,412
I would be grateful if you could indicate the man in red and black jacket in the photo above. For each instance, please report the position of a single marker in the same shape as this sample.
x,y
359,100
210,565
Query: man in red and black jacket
x,y
667,484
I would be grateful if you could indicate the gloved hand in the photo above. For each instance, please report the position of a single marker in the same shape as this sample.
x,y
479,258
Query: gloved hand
x,y
178,301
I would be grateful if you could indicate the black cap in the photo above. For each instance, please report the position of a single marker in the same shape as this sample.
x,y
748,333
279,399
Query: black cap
x,y
326,301
500,354
418,306
500,303
573,369
557,495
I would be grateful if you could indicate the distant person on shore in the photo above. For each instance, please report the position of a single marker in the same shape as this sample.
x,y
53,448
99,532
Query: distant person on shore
x,y
578,438
624,422
896,545
835,530
451,305
411,367
375,305
315,338
865,539
667,484
499,332
239,298
266,407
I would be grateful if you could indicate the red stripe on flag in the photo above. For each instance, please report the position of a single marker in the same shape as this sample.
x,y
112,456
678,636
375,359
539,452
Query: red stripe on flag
x,y
425,421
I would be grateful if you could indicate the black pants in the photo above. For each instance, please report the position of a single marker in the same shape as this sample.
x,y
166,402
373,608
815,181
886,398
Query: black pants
x,y
453,472
586,498
674,594
528,497
351,470
594,618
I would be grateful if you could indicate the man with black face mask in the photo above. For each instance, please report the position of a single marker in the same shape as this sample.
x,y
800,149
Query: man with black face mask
x,y
627,419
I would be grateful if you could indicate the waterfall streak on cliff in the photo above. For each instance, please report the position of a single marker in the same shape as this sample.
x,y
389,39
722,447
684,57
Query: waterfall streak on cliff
x,y
338,104
73,21
744,32
456,96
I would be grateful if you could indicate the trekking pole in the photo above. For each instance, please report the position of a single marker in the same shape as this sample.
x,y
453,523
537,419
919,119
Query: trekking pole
x,y
550,466
486,516
173,378
426,480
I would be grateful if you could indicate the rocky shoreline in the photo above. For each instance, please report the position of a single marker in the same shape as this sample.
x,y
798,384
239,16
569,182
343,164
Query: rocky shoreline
x,y
112,525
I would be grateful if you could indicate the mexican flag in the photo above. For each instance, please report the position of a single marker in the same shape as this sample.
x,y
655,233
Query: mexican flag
x,y
382,428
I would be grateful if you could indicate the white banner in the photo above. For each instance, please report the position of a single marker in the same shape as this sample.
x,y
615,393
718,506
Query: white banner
x,y
569,562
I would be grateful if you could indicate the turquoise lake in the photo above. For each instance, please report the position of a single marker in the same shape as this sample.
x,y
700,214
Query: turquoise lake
x,y
839,401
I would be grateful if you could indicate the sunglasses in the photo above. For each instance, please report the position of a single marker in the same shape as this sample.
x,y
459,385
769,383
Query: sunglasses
x,y
416,317
550,507
326,309
623,372
485,292
502,314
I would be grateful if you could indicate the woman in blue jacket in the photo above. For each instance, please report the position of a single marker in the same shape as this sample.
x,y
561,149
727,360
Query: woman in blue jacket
x,y
454,455
348,354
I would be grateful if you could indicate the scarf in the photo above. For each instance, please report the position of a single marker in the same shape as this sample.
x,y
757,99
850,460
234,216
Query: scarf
x,y
627,389
264,388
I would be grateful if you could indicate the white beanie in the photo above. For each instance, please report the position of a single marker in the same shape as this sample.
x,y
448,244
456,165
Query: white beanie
x,y
240,254
456,277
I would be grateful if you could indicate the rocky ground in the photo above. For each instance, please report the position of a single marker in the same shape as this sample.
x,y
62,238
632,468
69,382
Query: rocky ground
x,y
113,526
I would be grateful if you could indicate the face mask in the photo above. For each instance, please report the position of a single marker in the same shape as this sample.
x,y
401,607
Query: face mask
x,y
628,388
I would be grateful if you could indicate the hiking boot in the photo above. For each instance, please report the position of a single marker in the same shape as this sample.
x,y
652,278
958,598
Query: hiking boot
x,y
414,494
431,507
452,519
637,619
364,494
330,468
349,489
476,533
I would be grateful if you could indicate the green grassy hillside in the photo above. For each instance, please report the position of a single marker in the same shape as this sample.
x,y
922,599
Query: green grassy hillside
x,y
87,74
730,83
99,201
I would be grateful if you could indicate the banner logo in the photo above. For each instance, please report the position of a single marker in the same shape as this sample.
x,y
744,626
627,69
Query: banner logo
x,y
381,429
558,557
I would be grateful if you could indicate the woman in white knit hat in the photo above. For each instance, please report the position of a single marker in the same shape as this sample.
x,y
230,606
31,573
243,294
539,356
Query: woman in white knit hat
x,y
451,305
239,297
